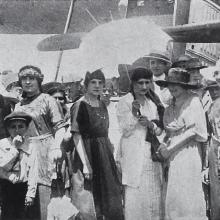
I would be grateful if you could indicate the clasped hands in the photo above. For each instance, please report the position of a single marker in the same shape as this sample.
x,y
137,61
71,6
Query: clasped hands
x,y
143,120
164,151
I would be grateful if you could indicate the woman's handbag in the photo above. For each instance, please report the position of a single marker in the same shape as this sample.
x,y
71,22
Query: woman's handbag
x,y
60,206
58,184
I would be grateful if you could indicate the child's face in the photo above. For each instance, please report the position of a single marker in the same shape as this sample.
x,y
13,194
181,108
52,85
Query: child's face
x,y
17,127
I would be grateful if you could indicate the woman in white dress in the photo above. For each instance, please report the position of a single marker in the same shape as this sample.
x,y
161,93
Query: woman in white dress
x,y
141,176
185,125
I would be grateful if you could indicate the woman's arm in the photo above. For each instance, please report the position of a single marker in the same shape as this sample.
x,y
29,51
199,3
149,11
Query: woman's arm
x,y
127,121
56,152
87,170
178,142
56,120
32,177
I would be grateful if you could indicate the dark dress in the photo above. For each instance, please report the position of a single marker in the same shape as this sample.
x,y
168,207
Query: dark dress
x,y
93,123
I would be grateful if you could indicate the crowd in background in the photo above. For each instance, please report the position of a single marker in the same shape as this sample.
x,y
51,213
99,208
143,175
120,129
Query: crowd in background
x,y
152,153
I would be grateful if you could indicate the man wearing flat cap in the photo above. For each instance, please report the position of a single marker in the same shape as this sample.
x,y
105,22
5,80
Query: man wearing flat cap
x,y
159,65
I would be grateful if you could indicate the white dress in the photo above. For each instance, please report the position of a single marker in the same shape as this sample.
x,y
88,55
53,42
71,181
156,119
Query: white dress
x,y
141,177
185,198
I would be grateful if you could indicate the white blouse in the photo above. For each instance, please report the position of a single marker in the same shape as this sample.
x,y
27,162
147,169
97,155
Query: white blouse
x,y
131,152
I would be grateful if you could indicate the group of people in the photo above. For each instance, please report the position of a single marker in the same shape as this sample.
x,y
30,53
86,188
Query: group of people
x,y
169,138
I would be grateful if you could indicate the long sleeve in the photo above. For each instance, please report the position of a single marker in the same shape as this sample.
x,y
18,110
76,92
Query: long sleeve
x,y
32,174
55,114
127,122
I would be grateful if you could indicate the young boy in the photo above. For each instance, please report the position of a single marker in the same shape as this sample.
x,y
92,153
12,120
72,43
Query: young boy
x,y
19,177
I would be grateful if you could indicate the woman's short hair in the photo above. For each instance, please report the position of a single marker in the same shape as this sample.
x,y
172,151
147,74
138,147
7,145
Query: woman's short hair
x,y
97,74
141,73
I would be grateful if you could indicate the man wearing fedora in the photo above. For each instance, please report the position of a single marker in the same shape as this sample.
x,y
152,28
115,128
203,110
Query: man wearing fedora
x,y
159,65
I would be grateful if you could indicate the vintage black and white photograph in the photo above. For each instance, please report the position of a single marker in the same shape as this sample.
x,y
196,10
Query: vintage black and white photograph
x,y
109,110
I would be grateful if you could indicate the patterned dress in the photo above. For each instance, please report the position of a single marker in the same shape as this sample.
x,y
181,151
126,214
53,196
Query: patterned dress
x,y
185,198
47,118
92,124
141,176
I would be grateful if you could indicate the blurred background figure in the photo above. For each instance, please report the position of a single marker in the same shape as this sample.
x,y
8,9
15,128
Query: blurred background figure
x,y
216,75
9,81
213,88
193,67
214,154
57,90
160,63
122,7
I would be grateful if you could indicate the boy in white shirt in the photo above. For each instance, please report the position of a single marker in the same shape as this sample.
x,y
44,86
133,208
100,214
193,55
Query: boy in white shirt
x,y
19,174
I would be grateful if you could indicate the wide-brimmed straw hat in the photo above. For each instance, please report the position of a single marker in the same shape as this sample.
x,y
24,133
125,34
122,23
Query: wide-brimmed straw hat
x,y
159,55
177,76
189,63
17,115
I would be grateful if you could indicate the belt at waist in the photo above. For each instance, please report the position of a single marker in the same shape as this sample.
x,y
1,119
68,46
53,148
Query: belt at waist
x,y
40,137
94,136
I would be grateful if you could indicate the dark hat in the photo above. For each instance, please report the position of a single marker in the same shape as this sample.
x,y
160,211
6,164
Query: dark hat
x,y
53,87
211,84
177,76
195,63
140,73
97,74
17,116
159,56
182,61
189,63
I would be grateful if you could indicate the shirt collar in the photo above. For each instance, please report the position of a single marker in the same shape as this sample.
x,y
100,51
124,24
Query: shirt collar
x,y
161,77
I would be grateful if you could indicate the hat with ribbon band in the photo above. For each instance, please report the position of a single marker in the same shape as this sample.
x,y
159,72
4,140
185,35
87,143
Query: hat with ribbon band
x,y
177,76
159,56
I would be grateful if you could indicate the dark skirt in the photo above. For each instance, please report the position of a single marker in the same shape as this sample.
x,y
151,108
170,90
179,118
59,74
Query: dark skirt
x,y
105,186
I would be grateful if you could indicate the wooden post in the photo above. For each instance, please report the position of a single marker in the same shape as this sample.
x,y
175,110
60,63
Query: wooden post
x,y
131,8
65,31
181,16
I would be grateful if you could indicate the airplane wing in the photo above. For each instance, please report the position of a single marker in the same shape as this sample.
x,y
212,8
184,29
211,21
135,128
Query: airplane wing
x,y
208,32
